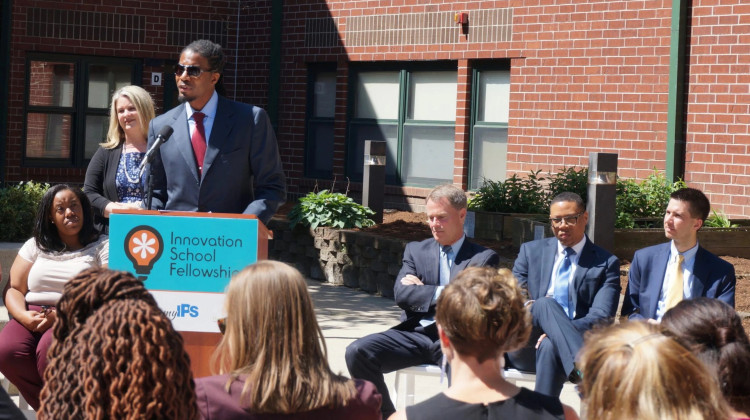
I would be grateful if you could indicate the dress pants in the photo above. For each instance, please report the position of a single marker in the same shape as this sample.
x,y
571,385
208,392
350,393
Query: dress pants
x,y
554,360
373,355
23,358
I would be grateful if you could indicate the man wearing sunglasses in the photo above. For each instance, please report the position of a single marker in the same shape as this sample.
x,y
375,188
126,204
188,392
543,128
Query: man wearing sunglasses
x,y
223,156
572,285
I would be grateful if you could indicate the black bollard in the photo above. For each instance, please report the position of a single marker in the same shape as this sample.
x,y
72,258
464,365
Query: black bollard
x,y
373,179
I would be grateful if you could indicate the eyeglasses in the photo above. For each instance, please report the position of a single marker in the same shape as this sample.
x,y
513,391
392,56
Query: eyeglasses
x,y
192,71
222,322
569,220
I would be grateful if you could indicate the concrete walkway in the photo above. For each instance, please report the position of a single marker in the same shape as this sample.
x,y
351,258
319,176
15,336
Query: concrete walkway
x,y
345,314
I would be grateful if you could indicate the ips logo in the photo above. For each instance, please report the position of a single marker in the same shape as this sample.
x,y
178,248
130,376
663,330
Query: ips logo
x,y
185,310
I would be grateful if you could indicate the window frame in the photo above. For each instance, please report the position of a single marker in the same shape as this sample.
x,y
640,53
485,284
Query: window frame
x,y
476,71
79,109
404,70
313,70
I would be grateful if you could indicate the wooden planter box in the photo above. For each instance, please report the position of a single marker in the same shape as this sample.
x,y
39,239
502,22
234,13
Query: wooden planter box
x,y
734,242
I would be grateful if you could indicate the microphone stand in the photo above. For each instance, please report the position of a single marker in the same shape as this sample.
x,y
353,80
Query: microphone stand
x,y
149,189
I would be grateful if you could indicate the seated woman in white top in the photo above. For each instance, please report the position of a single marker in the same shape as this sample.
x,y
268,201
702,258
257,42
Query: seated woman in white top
x,y
65,242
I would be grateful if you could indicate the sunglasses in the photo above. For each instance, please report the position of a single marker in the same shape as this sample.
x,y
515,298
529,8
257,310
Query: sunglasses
x,y
192,71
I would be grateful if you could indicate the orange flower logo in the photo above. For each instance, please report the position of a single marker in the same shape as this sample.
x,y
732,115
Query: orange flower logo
x,y
143,246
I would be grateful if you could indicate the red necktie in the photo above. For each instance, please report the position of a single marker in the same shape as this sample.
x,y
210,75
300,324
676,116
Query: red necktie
x,y
199,139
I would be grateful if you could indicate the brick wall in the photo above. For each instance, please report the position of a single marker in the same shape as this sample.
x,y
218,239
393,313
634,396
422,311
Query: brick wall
x,y
585,75
718,104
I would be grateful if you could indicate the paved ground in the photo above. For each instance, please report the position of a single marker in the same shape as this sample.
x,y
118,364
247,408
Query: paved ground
x,y
345,315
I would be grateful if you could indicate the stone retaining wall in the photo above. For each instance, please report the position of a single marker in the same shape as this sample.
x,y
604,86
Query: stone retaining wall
x,y
352,258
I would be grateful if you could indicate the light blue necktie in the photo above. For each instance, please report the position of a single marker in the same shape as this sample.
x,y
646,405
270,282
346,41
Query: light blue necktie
x,y
562,296
445,265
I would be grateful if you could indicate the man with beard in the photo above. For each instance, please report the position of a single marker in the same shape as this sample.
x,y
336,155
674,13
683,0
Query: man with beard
x,y
223,156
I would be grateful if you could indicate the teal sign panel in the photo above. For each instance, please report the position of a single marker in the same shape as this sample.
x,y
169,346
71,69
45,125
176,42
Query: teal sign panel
x,y
182,253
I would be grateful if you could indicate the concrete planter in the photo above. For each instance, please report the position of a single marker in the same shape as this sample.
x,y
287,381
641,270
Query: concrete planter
x,y
495,226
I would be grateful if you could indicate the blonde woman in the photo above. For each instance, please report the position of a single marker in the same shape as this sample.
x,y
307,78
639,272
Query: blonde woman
x,y
632,371
113,178
480,317
272,358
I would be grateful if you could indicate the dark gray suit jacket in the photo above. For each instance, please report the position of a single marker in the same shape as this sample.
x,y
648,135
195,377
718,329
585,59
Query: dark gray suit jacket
x,y
241,172
596,280
422,259
712,277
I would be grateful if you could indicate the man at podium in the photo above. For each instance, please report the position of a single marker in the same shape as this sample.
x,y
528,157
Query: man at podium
x,y
223,156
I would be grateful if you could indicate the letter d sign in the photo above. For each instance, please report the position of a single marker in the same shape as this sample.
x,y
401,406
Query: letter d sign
x,y
155,79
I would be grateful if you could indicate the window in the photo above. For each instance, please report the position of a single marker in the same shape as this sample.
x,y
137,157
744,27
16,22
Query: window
x,y
414,111
67,106
489,130
321,110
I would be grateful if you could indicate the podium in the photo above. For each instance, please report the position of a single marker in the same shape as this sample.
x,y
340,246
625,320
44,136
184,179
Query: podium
x,y
186,260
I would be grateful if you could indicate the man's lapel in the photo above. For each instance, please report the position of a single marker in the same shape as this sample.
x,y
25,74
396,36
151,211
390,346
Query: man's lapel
x,y
182,137
220,132
549,249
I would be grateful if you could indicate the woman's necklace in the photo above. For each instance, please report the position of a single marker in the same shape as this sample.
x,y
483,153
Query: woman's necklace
x,y
136,180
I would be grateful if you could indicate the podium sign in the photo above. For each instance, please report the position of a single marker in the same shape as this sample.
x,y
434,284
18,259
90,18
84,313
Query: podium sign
x,y
184,259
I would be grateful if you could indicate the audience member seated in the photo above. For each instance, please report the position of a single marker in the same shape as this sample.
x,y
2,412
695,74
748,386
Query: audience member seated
x,y
572,285
64,243
115,354
481,316
662,275
713,331
632,371
113,178
428,267
272,359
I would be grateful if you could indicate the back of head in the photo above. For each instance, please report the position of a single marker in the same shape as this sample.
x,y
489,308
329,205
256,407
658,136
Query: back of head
x,y
632,371
482,312
273,339
713,331
455,196
700,207
115,355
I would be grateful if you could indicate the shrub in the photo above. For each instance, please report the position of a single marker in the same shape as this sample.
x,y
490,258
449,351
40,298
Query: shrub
x,y
329,209
514,195
570,180
719,220
19,204
647,199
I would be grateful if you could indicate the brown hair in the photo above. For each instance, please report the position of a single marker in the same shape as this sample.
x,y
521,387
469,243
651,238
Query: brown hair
x,y
632,371
482,313
115,354
273,339
713,331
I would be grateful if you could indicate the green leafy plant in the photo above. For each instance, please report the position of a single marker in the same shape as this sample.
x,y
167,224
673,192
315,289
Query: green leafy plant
x,y
569,180
514,195
719,220
642,200
19,203
329,209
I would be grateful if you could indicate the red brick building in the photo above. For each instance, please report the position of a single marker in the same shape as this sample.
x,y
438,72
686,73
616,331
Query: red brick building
x,y
524,85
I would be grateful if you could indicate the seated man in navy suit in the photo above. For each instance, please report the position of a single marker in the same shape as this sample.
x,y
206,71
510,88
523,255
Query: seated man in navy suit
x,y
572,285
428,266
662,275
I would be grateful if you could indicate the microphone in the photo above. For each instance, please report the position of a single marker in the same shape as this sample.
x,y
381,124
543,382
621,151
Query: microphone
x,y
161,138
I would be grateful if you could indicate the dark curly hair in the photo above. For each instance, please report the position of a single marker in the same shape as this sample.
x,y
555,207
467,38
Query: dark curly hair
x,y
45,233
115,354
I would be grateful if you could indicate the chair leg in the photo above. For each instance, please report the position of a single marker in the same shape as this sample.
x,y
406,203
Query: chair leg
x,y
409,390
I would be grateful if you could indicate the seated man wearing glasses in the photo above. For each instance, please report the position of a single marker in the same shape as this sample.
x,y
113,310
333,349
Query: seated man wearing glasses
x,y
572,285
223,156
